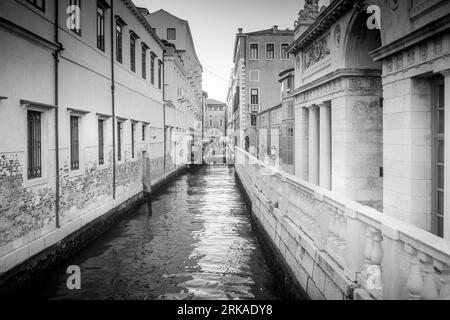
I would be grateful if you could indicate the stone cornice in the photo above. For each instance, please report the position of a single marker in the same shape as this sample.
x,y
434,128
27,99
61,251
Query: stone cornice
x,y
334,75
412,38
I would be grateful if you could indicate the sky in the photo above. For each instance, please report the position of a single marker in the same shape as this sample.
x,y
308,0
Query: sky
x,y
214,25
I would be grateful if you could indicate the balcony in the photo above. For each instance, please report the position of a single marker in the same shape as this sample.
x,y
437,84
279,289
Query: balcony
x,y
254,108
363,251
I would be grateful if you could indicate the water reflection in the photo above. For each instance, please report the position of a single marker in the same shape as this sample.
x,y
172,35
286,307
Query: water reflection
x,y
197,244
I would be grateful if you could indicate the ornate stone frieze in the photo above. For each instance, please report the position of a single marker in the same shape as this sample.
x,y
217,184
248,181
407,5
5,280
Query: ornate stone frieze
x,y
317,52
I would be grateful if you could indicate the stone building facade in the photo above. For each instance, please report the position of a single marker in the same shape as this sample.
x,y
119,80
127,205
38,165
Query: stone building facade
x,y
215,118
83,133
258,58
183,88
370,105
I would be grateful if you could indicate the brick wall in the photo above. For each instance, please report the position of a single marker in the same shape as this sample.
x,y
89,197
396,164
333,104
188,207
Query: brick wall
x,y
22,211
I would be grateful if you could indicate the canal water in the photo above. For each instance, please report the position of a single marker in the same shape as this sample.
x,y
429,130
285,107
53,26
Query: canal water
x,y
196,242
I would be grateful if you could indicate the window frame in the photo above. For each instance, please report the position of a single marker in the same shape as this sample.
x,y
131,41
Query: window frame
x,y
160,74
175,34
119,43
258,97
273,50
250,51
29,148
76,3
101,142
281,51
34,3
74,166
101,43
132,52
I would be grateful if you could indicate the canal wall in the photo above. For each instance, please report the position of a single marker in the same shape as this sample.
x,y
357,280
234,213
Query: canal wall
x,y
300,271
24,268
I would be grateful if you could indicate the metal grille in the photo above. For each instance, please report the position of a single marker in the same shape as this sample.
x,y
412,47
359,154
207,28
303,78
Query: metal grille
x,y
34,145
439,135
119,141
101,155
74,144
133,130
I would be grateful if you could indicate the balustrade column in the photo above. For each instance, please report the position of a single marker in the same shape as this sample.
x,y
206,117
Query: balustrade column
x,y
325,146
314,140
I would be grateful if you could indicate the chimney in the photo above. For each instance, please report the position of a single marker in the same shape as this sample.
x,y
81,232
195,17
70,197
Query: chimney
x,y
275,29
240,30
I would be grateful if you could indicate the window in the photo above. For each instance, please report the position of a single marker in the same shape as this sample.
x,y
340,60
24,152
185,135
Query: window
x,y
74,143
210,122
40,4
132,53
133,132
253,120
144,62
143,132
254,54
34,142
438,155
284,53
100,28
119,35
171,34
152,71
101,143
270,51
77,26
119,140
221,122
159,74
254,96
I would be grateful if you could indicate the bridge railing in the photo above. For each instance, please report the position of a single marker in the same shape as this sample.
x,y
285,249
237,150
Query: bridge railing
x,y
388,258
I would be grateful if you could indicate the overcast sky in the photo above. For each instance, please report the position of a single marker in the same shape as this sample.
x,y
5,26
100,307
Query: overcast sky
x,y
214,25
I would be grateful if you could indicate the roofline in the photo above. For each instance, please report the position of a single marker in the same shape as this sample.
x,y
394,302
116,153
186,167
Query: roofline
x,y
144,22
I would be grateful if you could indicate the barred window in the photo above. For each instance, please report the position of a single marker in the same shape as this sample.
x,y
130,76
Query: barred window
x,y
101,144
34,145
133,131
74,143
119,140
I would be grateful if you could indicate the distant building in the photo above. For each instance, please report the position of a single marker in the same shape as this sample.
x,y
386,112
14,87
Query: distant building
x,y
254,87
215,117
183,87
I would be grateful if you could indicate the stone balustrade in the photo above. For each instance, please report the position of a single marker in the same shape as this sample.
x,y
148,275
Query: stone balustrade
x,y
383,257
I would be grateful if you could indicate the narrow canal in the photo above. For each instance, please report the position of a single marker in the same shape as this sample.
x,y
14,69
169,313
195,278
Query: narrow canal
x,y
196,243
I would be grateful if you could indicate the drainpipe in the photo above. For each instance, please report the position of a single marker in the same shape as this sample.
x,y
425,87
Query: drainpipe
x,y
113,107
56,88
164,114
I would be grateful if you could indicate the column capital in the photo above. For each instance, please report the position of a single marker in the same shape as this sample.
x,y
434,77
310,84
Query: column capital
x,y
312,107
324,104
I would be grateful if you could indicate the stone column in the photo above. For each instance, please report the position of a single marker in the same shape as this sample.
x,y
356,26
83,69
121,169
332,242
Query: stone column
x,y
314,138
447,156
325,146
